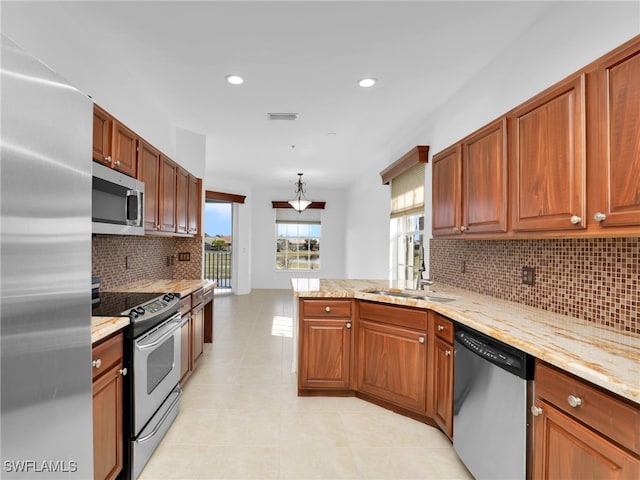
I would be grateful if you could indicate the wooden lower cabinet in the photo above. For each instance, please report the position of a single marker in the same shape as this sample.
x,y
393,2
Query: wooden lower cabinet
x,y
192,334
107,408
392,358
197,319
442,390
185,350
325,354
581,431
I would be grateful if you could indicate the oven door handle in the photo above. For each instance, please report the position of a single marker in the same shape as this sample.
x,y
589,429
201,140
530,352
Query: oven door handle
x,y
177,323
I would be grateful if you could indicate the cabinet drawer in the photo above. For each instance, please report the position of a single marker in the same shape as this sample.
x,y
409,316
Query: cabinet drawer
x,y
208,296
400,316
185,305
197,297
443,327
326,308
106,354
604,412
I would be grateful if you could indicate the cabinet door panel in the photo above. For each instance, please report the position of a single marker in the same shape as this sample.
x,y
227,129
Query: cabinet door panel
x,y
194,201
619,152
392,364
125,145
443,386
107,425
149,173
563,448
484,203
185,350
102,131
182,200
326,349
446,199
197,316
167,198
549,159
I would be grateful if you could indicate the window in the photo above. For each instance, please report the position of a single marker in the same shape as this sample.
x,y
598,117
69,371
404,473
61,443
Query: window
x,y
298,239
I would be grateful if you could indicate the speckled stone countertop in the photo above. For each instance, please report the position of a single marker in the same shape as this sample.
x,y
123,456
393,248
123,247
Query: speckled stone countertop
x,y
604,356
102,327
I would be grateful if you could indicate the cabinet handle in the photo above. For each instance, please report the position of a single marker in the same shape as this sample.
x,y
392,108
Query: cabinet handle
x,y
108,158
123,371
327,309
536,411
576,219
348,325
97,363
463,228
421,340
574,401
440,328
599,217
447,353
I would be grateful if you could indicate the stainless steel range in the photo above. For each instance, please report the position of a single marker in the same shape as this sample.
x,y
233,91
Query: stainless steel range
x,y
152,356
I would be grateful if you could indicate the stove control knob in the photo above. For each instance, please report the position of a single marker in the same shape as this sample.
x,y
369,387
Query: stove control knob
x,y
133,314
168,297
141,310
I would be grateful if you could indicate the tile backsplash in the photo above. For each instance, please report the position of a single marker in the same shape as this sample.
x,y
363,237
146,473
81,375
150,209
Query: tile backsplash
x,y
147,258
595,279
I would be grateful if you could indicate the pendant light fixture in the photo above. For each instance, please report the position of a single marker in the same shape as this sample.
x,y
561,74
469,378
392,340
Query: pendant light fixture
x,y
300,202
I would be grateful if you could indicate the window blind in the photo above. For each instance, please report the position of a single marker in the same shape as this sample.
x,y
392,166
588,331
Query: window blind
x,y
289,215
407,192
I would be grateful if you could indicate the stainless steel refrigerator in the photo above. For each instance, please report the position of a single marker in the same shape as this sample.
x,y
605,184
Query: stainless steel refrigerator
x,y
45,272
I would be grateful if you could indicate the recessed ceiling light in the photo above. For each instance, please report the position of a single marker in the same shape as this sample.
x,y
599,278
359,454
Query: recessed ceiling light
x,y
367,82
235,79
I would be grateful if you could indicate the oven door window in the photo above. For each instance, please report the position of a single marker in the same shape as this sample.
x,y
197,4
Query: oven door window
x,y
160,363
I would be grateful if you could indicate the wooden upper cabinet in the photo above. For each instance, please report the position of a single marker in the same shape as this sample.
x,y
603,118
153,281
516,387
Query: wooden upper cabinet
x,y
114,144
484,177
446,195
102,132
149,173
548,159
125,149
182,201
194,207
168,192
616,155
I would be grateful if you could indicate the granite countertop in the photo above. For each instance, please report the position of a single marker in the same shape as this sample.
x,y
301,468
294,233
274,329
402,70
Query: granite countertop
x,y
102,327
604,356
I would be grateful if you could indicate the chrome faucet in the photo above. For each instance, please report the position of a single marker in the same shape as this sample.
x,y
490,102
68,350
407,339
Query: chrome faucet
x,y
421,282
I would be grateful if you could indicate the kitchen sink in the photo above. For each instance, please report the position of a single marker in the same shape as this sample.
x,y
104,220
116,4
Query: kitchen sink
x,y
416,296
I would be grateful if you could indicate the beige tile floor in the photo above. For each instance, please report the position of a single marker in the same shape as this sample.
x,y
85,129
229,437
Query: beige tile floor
x,y
241,418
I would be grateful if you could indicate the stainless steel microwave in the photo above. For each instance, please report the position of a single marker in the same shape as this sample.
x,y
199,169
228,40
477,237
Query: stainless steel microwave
x,y
117,202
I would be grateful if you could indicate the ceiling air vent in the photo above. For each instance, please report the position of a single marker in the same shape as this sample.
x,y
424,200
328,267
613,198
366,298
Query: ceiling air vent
x,y
282,116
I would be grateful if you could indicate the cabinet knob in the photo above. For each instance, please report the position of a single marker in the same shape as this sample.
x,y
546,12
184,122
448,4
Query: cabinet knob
x,y
463,228
348,325
123,371
447,353
574,401
576,219
327,309
158,227
421,340
117,162
536,411
108,158
455,229
599,217
440,328
97,363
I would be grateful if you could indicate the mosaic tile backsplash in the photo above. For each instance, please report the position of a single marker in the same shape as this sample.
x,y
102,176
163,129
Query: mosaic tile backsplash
x,y
147,257
595,279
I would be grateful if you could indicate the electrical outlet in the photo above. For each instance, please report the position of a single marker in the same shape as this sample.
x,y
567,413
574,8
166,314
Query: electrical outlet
x,y
184,256
463,267
168,260
528,275
128,261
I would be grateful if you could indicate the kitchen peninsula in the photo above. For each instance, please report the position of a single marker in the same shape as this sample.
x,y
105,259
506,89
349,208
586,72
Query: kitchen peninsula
x,y
603,356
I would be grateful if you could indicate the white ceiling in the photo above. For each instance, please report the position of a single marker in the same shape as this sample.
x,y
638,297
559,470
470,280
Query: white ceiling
x,y
304,57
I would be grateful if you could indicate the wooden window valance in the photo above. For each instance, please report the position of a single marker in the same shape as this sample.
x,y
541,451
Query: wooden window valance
x,y
224,197
414,156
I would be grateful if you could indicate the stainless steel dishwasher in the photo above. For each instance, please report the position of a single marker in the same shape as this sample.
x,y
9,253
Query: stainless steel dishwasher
x,y
491,394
